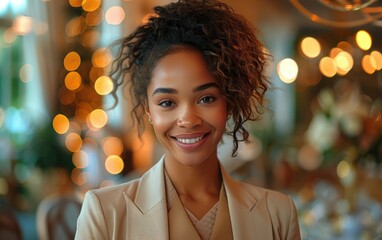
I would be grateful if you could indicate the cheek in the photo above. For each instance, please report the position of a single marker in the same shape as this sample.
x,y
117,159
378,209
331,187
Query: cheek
x,y
219,116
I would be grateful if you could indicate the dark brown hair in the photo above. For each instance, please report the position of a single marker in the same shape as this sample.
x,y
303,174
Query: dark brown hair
x,y
227,41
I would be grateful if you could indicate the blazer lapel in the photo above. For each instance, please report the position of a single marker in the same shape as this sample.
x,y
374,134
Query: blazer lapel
x,y
147,212
249,215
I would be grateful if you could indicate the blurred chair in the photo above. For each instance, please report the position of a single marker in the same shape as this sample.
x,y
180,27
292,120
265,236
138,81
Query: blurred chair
x,y
9,225
57,217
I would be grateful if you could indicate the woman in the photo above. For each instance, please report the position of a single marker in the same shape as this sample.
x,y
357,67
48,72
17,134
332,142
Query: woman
x,y
193,66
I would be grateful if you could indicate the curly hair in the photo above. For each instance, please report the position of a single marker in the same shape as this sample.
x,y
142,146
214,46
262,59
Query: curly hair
x,y
227,41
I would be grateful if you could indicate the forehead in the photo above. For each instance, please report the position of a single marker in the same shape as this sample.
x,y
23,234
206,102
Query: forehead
x,y
187,67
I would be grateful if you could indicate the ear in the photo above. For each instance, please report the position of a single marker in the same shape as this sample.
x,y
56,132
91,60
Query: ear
x,y
147,110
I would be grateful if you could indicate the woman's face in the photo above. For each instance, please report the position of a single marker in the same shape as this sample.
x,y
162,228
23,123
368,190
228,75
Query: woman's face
x,y
187,109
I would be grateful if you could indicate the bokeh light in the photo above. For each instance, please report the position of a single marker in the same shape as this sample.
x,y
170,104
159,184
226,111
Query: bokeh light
x,y
22,25
287,70
368,64
98,118
346,46
101,58
334,52
377,56
94,18
76,26
73,142
310,47
79,177
90,38
90,5
104,85
9,36
83,110
73,80
75,3
344,61
60,124
112,146
363,40
26,73
114,164
309,157
328,67
80,159
72,61
115,15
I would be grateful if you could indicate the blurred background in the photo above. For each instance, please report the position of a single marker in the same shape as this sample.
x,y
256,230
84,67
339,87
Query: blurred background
x,y
320,141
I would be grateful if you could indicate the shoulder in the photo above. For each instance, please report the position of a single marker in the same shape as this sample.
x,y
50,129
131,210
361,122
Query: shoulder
x,y
114,193
275,200
278,205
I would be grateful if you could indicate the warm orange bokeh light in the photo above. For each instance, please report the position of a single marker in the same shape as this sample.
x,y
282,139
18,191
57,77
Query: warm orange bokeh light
x,y
94,18
112,146
101,58
114,164
377,56
72,61
75,3
79,177
90,38
76,26
310,47
90,5
104,85
328,66
344,61
73,142
363,40
98,118
80,159
60,124
73,80
367,64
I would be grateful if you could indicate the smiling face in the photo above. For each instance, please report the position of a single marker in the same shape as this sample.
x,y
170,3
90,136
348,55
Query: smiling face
x,y
187,109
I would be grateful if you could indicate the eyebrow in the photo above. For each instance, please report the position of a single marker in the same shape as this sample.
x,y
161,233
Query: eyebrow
x,y
173,91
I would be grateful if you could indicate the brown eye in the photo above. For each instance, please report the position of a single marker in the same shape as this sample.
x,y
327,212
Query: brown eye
x,y
166,103
207,99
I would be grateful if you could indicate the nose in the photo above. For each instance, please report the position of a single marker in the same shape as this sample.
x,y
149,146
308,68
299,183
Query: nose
x,y
189,118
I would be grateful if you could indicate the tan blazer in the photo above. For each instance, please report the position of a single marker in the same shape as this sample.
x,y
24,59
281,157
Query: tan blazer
x,y
137,210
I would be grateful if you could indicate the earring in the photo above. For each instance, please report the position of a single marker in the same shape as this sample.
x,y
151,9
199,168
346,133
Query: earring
x,y
150,120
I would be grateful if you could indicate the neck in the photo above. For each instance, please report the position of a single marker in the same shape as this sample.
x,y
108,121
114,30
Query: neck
x,y
194,180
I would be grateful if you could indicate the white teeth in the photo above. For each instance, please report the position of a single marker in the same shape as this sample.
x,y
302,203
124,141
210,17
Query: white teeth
x,y
189,140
